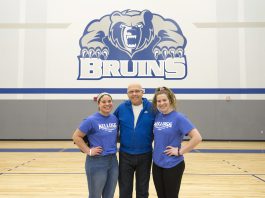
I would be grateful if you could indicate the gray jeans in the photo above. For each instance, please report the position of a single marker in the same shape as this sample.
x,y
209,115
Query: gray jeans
x,y
102,175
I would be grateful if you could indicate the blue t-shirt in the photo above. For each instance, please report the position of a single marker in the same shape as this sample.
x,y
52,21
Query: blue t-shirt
x,y
169,130
101,131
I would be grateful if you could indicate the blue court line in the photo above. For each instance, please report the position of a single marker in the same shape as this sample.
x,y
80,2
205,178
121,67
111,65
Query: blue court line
x,y
14,150
228,151
124,90
77,150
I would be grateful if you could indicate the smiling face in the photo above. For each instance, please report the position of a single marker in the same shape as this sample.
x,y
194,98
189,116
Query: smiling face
x,y
135,94
105,105
163,103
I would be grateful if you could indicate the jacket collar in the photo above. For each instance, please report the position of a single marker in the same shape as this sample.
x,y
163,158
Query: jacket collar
x,y
144,101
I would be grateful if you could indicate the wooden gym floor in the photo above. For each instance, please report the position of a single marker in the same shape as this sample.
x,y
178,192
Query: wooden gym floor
x,y
225,169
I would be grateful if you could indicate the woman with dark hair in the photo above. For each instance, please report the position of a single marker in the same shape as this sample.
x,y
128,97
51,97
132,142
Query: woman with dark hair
x,y
170,127
101,129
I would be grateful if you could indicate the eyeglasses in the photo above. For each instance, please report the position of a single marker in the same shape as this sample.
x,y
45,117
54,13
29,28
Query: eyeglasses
x,y
136,91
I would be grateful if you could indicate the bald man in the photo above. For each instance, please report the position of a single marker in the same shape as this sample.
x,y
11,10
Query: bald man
x,y
136,119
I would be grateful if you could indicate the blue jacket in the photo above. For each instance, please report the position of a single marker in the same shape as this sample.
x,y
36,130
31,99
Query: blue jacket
x,y
136,140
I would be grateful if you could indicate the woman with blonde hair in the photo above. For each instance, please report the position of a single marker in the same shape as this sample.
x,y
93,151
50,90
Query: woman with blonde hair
x,y
170,127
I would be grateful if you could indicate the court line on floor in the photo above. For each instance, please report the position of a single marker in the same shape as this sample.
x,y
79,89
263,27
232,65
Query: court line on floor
x,y
61,173
258,178
234,165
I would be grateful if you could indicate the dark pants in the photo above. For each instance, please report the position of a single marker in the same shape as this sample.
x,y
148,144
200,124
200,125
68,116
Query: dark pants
x,y
141,166
167,180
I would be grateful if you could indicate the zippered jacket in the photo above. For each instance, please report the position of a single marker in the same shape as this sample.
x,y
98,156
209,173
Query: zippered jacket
x,y
138,139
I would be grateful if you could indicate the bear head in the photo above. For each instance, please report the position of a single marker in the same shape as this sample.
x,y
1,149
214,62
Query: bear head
x,y
131,30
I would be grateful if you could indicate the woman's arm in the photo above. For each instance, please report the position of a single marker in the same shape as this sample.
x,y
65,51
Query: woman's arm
x,y
78,140
195,139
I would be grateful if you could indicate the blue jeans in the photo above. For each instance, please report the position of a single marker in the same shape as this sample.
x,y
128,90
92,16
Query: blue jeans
x,y
141,165
102,175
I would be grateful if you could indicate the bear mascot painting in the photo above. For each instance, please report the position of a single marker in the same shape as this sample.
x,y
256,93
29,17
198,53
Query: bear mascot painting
x,y
132,36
